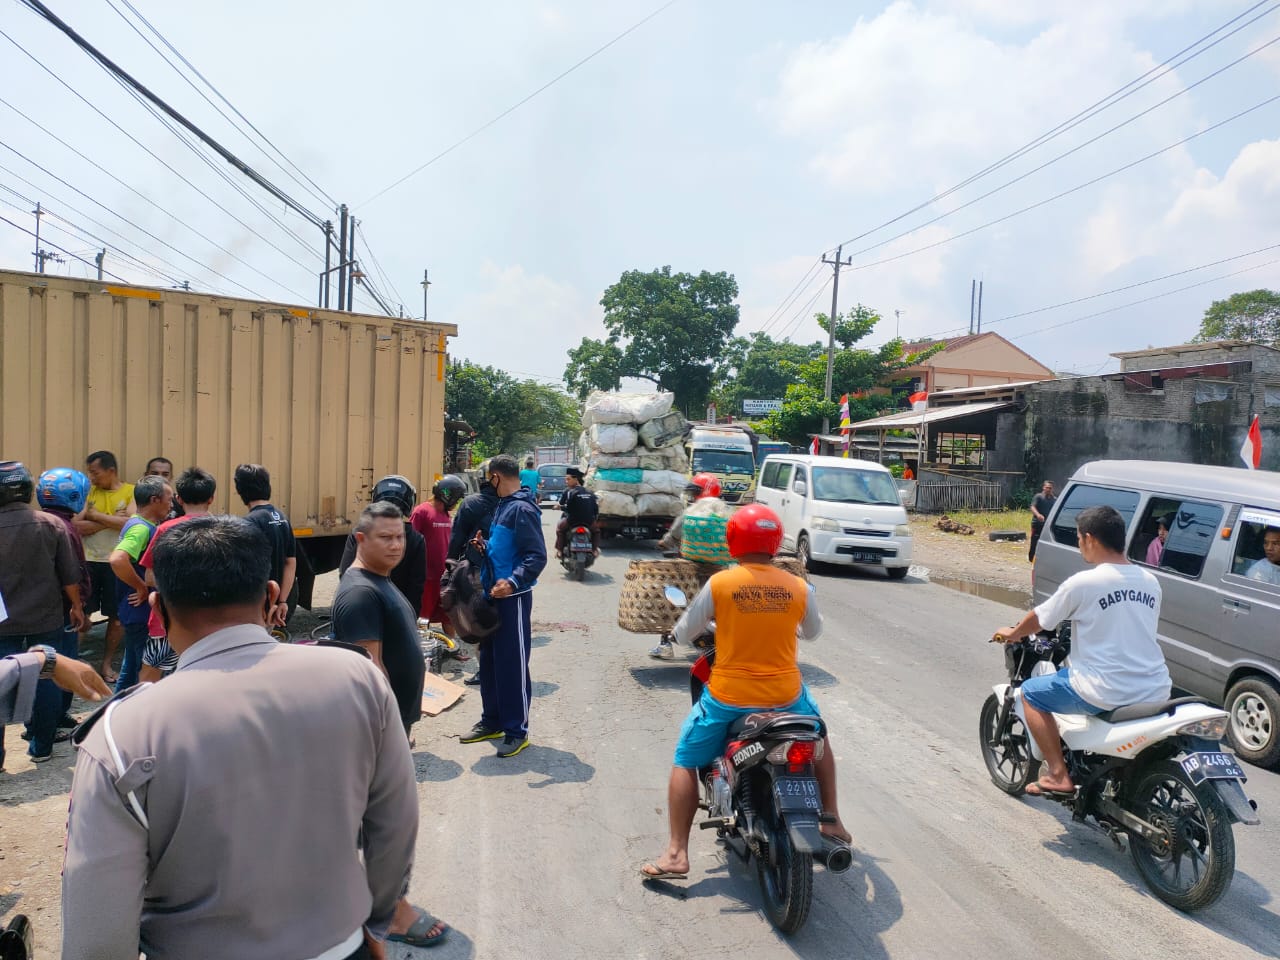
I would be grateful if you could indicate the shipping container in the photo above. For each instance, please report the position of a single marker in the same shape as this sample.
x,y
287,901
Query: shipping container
x,y
329,402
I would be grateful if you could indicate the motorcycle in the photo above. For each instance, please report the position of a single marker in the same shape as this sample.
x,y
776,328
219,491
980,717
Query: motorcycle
x,y
1153,773
761,797
579,552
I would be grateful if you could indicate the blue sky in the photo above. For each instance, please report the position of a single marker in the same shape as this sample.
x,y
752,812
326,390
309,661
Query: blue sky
x,y
750,137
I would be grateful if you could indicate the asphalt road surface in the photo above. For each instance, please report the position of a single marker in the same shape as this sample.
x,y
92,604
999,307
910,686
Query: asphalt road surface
x,y
538,856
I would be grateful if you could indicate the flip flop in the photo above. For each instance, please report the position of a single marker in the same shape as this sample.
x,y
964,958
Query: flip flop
x,y
1038,789
417,934
661,874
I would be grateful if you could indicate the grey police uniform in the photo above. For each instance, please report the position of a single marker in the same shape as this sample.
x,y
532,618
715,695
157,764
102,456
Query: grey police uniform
x,y
222,812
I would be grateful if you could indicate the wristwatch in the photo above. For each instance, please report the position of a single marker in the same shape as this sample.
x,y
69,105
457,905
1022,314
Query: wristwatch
x,y
50,659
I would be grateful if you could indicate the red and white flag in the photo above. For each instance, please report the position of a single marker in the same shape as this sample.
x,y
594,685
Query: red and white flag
x,y
813,447
1251,449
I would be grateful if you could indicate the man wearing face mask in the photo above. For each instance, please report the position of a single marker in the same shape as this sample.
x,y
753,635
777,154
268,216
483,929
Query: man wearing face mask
x,y
194,828
475,515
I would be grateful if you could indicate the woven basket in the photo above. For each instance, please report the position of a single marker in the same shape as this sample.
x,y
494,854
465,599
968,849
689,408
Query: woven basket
x,y
642,606
793,566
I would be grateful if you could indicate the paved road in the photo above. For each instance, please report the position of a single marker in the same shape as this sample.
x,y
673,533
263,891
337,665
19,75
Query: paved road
x,y
537,856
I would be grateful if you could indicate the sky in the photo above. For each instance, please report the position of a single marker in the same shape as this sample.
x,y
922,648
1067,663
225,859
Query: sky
x,y
750,137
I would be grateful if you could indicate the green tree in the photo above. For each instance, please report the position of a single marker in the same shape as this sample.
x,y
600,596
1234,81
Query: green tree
x,y
757,367
508,415
663,327
1253,315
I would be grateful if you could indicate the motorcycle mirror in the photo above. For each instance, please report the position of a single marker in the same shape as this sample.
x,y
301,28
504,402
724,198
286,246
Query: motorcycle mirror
x,y
675,596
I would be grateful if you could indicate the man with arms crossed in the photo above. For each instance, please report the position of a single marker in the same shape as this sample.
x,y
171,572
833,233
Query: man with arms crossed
x,y
197,826
1114,609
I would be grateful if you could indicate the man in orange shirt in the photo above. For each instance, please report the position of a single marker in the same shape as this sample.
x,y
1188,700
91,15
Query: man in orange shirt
x,y
759,611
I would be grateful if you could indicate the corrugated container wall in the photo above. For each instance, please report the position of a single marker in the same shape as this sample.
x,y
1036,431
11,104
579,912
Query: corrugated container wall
x,y
327,401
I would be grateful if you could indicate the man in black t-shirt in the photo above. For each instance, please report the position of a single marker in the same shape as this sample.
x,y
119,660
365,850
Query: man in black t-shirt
x,y
370,611
253,484
1041,504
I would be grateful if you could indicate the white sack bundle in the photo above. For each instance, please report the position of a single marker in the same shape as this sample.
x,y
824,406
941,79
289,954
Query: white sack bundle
x,y
658,505
630,408
615,504
613,437
663,481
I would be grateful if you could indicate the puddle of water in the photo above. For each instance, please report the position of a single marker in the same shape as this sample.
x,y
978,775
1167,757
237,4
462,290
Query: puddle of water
x,y
988,591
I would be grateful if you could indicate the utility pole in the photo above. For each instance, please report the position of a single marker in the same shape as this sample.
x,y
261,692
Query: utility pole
x,y
897,323
426,285
354,273
836,264
328,263
102,255
979,328
342,257
973,293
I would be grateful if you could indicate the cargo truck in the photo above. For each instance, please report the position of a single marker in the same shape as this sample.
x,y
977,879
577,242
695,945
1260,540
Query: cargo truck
x,y
329,402
728,453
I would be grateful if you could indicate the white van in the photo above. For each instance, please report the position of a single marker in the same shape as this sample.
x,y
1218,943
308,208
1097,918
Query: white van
x,y
835,510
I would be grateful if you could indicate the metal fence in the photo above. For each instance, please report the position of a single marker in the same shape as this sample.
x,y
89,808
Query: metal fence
x,y
956,494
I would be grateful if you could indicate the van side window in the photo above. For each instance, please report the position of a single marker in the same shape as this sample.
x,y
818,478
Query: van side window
x,y
769,476
1257,554
1084,495
800,477
1175,535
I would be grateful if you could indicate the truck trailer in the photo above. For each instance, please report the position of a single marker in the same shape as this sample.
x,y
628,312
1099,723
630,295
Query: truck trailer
x,y
328,402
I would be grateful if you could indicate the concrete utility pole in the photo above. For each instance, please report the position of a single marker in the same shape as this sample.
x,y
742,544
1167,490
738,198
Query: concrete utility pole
x,y
836,264
426,284
101,255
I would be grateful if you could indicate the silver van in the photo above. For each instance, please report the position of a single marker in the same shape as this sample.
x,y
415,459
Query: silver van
x,y
1211,536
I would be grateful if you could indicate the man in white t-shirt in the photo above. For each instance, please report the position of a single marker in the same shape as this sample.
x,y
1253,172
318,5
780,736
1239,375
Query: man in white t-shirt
x,y
1116,659
1267,569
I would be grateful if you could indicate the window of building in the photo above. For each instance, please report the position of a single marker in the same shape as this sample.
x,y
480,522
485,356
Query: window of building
x,y
962,449
1175,535
1080,497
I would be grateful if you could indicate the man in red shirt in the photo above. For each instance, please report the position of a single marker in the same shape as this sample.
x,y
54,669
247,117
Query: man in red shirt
x,y
195,489
431,519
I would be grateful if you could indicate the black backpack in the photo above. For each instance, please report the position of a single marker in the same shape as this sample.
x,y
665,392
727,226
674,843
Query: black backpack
x,y
463,596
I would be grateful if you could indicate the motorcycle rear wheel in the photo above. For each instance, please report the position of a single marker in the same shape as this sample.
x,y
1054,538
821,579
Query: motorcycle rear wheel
x,y
1198,840
787,887
1006,753
577,571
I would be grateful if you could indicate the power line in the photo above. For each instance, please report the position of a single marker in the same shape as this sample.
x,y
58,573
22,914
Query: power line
x,y
1087,113
803,313
515,106
32,233
810,275
173,114
378,266
1071,190
1075,149
305,182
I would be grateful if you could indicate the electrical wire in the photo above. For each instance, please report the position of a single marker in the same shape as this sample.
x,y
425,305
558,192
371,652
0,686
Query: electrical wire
x,y
1048,163
32,233
803,313
1067,192
515,106
791,297
1087,113
382,274
305,182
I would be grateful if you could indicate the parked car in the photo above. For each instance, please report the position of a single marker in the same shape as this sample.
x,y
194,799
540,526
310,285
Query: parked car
x,y
552,483
1220,615
835,510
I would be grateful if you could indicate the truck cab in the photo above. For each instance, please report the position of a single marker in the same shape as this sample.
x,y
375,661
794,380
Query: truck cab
x,y
725,453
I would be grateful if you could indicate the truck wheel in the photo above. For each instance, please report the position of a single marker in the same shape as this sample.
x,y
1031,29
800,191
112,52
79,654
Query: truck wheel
x,y
1253,705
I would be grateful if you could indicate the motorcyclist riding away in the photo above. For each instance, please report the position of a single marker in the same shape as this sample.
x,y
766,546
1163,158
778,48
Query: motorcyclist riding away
x,y
1115,657
759,611
580,510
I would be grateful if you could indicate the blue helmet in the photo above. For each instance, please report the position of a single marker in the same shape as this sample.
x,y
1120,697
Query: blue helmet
x,y
63,487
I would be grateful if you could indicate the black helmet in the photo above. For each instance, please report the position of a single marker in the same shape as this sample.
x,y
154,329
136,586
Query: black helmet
x,y
396,489
16,485
449,490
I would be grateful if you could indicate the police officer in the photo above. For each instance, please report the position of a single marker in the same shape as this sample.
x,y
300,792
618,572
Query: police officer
x,y
196,817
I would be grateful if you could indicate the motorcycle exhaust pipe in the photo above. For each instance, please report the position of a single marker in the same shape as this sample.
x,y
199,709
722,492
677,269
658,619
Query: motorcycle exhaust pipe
x,y
837,857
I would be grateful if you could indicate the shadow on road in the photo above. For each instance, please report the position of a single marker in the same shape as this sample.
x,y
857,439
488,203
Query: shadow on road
x,y
558,766
666,676
817,677
542,688
428,768
457,947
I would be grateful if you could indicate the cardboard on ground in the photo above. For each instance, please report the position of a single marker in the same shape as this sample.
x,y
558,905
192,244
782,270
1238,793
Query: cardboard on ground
x,y
439,694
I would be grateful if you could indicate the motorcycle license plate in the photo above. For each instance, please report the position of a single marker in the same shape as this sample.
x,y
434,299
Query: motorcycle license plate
x,y
796,794
1211,766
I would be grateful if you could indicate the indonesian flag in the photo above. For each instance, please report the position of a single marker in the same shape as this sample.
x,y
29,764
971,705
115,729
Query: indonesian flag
x,y
813,447
1251,449
920,397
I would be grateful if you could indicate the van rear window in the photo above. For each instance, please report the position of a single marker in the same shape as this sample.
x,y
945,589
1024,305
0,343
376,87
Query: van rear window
x,y
1082,496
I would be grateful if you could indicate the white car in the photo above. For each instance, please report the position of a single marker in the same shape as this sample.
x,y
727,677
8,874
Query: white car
x,y
837,511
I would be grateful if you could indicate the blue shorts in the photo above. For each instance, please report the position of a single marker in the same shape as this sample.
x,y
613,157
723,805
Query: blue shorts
x,y
1053,693
706,728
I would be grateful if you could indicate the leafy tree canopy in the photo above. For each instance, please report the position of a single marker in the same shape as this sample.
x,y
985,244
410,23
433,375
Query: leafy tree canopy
x,y
757,367
1253,315
508,415
667,328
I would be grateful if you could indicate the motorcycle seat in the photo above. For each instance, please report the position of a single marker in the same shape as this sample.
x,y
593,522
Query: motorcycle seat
x,y
1140,711
755,725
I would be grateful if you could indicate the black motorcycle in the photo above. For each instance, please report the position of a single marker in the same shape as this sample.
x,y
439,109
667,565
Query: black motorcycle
x,y
579,552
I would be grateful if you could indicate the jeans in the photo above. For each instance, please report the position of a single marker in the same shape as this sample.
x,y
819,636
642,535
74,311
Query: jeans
x,y
52,702
18,643
135,644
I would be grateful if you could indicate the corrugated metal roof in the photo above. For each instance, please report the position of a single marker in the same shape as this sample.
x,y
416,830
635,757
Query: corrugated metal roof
x,y
910,418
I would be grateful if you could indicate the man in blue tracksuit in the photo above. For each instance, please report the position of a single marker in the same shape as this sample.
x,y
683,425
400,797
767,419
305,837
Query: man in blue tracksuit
x,y
517,550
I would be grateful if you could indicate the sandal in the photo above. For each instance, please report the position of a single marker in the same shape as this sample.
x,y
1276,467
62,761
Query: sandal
x,y
419,932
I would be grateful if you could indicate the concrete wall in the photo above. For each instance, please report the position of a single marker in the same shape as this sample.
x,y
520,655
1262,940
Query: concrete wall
x,y
1266,361
1067,423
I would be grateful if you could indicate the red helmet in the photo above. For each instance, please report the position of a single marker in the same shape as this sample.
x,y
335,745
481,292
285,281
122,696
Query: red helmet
x,y
753,529
703,485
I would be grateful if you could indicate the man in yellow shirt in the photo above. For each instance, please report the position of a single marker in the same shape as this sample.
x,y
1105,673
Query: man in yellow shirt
x,y
759,611
107,509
